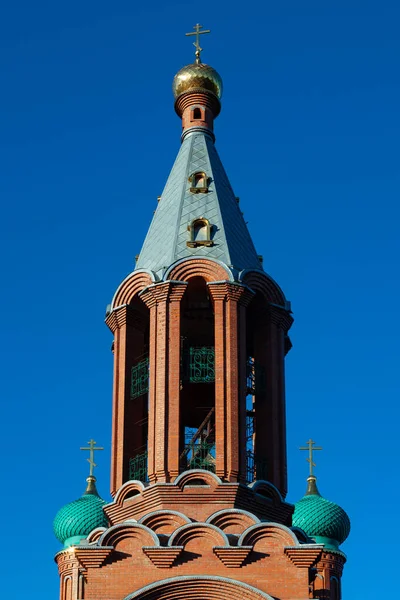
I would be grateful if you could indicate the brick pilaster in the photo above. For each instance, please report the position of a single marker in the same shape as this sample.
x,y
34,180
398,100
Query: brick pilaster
x,y
230,369
164,299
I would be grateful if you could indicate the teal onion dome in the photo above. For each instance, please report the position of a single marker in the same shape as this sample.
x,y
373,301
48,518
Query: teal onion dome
x,y
76,520
322,520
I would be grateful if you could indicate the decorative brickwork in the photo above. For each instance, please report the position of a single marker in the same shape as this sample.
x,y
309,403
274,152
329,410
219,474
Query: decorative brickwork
x,y
198,267
128,556
174,531
130,287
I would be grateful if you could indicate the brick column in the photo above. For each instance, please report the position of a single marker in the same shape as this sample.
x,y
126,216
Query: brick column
x,y
281,321
270,401
164,299
328,568
218,294
128,327
230,373
69,571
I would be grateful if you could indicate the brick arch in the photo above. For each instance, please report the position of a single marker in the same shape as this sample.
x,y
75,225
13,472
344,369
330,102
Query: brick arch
x,y
261,282
128,489
186,533
130,287
210,270
206,587
129,529
268,489
268,530
164,521
95,534
195,475
233,520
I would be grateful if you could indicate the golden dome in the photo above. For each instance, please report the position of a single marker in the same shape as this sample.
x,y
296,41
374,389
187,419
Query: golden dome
x,y
197,76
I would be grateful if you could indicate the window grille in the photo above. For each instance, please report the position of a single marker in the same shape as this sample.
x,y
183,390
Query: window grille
x,y
138,467
200,455
202,364
140,378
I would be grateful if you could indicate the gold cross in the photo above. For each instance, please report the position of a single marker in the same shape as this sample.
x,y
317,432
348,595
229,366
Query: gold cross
x,y
196,44
90,460
311,448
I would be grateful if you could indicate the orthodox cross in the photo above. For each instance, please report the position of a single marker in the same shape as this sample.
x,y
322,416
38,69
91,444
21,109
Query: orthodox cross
x,y
311,448
90,460
196,44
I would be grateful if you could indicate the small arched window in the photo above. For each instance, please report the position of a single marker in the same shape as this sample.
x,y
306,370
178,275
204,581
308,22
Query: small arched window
x,y
199,233
335,588
68,588
198,183
81,582
196,115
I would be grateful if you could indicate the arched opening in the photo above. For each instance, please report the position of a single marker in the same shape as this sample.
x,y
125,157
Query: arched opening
x,y
81,589
68,588
196,115
198,182
335,589
199,233
136,407
197,399
256,342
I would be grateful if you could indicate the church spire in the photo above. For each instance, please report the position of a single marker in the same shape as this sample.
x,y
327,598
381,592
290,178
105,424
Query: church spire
x,y
198,213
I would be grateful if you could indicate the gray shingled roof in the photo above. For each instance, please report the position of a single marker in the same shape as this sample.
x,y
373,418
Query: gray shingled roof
x,y
166,239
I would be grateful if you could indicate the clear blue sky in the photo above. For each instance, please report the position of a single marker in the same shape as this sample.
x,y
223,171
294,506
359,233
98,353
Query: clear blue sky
x,y
309,134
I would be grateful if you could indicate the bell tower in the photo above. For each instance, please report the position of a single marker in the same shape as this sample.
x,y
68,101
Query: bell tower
x,y
200,329
198,465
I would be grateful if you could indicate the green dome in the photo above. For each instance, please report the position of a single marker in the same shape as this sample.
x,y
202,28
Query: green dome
x,y
76,520
320,519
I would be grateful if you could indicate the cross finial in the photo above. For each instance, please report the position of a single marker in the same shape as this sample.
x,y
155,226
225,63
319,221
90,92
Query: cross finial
x,y
311,448
90,460
196,44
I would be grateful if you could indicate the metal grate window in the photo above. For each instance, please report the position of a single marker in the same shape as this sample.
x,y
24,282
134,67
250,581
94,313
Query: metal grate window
x,y
200,455
202,364
140,378
250,416
138,467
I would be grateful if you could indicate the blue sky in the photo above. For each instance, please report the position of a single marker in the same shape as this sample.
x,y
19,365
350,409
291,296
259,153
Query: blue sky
x,y
308,134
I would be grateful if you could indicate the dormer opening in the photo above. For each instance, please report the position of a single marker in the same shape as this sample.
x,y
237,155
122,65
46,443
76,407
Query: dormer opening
x,y
198,182
199,233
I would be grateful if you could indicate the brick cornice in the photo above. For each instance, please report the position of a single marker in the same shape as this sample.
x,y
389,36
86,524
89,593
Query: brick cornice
x,y
303,556
177,290
66,561
112,322
334,561
162,557
280,317
225,290
161,292
125,315
93,556
232,556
